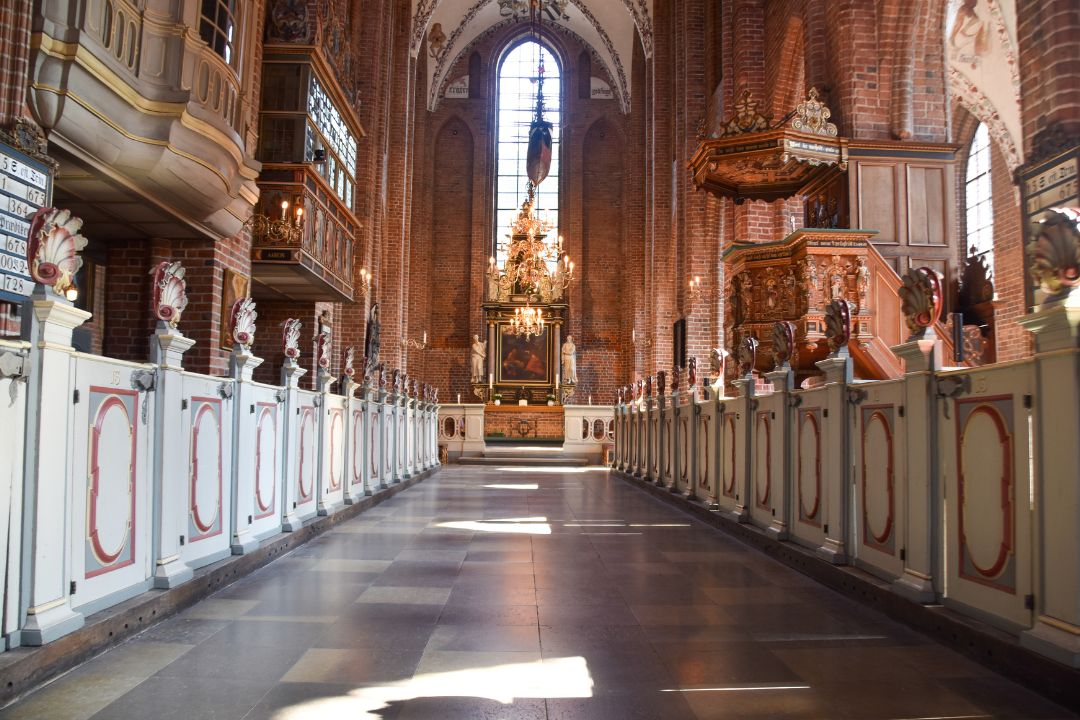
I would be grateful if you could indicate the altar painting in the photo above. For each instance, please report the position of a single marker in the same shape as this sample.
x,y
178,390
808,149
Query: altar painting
x,y
524,361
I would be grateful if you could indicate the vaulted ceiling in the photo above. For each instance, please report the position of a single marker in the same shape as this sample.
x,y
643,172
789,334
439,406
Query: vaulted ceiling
x,y
607,26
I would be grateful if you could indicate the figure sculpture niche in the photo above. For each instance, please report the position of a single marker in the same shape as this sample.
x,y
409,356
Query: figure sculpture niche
x,y
479,354
569,361
371,337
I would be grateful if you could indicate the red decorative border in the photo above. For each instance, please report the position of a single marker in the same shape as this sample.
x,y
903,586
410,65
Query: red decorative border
x,y
207,531
306,414
763,502
1007,486
336,416
266,409
685,448
92,530
811,518
870,538
375,430
729,422
703,464
357,444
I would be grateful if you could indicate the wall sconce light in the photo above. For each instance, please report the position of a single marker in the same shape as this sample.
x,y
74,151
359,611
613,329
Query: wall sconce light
x,y
365,282
694,293
414,344
636,341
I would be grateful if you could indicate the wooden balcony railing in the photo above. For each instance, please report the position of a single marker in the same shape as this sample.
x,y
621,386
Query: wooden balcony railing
x,y
314,263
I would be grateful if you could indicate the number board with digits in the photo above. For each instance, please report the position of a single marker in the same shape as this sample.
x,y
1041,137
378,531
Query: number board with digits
x,y
25,187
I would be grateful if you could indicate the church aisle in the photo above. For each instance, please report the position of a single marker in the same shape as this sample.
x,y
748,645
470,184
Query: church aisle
x,y
499,593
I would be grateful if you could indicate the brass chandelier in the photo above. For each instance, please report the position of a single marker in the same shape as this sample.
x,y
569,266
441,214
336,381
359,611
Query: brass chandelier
x,y
528,255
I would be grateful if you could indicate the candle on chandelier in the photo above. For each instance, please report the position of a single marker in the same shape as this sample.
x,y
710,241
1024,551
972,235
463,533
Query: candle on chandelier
x,y
284,208
425,337
491,380
459,398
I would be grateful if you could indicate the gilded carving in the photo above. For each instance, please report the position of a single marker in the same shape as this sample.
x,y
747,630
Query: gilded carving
x,y
812,116
746,118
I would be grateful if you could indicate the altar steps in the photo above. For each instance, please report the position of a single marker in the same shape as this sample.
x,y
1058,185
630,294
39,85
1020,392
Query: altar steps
x,y
527,455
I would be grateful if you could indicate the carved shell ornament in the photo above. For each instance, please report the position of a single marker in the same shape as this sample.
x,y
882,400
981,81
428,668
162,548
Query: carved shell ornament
x,y
347,361
920,300
747,356
661,382
1055,254
242,322
648,386
170,292
838,325
395,379
52,248
718,362
691,372
322,349
783,340
675,372
290,338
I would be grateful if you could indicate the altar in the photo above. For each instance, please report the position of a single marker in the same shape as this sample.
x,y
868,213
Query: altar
x,y
525,360
533,423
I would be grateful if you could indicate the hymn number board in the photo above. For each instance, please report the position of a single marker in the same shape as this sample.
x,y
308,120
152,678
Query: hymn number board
x,y
25,187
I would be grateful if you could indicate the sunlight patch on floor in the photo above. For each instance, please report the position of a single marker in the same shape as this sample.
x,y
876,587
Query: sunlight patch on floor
x,y
554,470
551,678
519,526
739,688
508,486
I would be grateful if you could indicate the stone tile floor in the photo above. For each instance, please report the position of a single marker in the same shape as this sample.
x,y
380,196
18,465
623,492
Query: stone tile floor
x,y
487,593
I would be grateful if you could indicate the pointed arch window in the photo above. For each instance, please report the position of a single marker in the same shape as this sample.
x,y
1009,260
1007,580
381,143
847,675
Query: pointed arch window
x,y
979,198
516,105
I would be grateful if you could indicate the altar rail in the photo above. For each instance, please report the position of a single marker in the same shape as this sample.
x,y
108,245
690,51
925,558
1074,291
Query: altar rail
x,y
956,486
119,477
589,430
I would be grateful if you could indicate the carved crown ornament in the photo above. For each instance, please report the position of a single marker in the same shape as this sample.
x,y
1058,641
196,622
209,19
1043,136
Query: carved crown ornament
x,y
169,292
1054,255
749,157
52,248
920,301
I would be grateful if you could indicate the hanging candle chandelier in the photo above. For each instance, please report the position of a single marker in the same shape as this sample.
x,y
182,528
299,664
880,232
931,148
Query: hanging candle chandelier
x,y
527,321
528,255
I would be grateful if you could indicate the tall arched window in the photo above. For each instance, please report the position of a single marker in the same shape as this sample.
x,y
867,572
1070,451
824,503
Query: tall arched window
x,y
978,196
516,106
